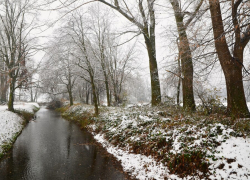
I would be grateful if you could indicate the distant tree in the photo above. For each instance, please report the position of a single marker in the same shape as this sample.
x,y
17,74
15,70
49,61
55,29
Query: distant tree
x,y
100,25
77,31
60,69
231,35
120,66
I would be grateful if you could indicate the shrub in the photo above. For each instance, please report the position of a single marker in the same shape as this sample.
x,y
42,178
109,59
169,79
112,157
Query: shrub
x,y
211,102
55,104
188,163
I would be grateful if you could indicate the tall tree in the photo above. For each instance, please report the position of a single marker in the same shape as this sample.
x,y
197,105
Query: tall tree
x,y
185,51
100,28
231,59
14,49
77,31
144,19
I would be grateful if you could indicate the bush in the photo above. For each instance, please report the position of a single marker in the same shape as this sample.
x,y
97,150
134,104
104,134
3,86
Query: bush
x,y
55,104
188,163
211,102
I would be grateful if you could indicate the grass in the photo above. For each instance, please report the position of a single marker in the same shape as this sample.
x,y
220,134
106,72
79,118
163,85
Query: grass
x,y
167,128
27,116
185,142
77,115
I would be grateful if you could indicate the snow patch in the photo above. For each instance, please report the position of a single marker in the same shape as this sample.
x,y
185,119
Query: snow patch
x,y
140,166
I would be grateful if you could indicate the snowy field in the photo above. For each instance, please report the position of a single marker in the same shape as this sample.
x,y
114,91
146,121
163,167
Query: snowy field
x,y
11,124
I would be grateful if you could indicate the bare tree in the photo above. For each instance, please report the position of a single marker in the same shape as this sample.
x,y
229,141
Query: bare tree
x,y
14,48
77,31
231,36
185,51
61,69
144,19
100,28
120,61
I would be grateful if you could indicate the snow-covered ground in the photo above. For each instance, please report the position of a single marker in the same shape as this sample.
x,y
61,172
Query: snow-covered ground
x,y
226,150
11,124
232,161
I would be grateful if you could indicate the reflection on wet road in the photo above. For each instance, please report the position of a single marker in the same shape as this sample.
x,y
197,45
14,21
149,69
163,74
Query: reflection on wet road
x,y
51,148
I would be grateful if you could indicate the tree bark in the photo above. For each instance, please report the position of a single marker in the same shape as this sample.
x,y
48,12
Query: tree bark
x,y
69,88
94,95
107,92
231,65
71,101
87,94
11,96
179,83
4,87
155,83
110,97
186,60
31,95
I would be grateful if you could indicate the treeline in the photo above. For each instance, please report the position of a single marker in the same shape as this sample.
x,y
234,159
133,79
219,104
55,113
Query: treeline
x,y
89,59
86,61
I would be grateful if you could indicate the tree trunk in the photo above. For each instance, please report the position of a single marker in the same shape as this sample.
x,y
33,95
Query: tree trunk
x,y
71,101
94,95
236,101
186,62
155,83
179,83
35,98
98,96
91,97
31,95
107,92
110,97
4,87
87,94
11,97
148,29
231,66
105,74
